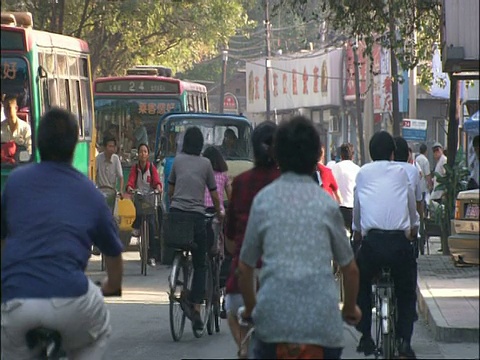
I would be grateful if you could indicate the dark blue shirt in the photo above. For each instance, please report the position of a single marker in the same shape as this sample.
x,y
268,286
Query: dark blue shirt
x,y
51,215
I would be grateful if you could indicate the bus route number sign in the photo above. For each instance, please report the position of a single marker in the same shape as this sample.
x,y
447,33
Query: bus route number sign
x,y
137,86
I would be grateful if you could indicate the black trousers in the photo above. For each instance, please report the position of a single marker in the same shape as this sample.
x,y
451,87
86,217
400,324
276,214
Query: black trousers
x,y
197,293
388,249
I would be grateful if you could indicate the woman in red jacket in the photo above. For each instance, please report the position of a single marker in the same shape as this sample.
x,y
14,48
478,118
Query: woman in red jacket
x,y
144,177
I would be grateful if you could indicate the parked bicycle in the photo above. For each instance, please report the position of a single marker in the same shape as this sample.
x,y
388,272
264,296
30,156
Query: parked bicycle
x,y
146,205
179,234
385,303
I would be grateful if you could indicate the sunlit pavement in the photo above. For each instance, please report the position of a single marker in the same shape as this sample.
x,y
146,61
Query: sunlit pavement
x,y
140,323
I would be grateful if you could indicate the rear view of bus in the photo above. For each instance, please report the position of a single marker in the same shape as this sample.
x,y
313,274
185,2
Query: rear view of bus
x,y
40,70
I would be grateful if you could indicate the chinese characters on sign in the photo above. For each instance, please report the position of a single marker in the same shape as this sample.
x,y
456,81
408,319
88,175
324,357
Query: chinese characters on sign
x,y
296,82
9,70
155,109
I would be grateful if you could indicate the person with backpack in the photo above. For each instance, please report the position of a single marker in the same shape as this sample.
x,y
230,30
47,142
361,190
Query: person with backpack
x,y
144,177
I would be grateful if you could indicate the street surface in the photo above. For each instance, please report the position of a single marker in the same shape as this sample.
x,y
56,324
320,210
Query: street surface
x,y
141,329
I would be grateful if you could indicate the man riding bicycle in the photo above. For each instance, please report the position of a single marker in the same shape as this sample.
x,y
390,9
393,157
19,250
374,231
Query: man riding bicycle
x,y
51,215
385,221
190,174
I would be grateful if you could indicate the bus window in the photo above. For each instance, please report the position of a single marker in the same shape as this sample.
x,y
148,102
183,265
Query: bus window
x,y
64,93
86,106
72,66
76,103
53,93
83,68
50,63
62,65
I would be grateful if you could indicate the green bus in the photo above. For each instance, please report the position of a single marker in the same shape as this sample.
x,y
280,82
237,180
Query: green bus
x,y
43,70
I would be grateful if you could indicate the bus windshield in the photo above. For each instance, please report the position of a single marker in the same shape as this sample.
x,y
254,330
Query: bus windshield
x,y
131,122
17,145
232,138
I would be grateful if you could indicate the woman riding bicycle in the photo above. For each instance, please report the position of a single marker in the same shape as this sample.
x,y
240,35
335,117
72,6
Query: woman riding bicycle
x,y
190,174
220,169
144,177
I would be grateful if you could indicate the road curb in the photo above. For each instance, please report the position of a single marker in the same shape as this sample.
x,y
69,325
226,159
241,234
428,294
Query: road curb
x,y
431,312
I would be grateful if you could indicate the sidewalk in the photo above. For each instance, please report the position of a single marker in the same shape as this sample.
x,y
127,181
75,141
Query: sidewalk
x,y
448,296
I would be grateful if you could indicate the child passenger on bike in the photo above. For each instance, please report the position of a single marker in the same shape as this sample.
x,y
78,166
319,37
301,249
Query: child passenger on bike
x,y
144,177
220,169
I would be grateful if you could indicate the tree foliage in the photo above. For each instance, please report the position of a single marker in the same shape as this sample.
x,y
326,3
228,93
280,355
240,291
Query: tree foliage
x,y
369,20
124,33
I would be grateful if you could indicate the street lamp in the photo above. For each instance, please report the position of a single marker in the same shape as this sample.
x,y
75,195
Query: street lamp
x,y
224,78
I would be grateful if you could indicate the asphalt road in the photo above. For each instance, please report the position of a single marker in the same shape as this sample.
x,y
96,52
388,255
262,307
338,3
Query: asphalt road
x,y
141,331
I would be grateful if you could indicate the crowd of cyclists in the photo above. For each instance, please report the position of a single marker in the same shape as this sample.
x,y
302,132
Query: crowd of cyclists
x,y
282,230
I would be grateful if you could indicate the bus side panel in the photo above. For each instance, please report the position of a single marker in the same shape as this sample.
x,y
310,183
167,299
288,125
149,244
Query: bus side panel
x,y
81,157
93,141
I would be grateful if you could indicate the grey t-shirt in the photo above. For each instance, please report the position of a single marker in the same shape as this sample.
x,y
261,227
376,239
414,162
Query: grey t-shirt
x,y
191,174
108,172
297,229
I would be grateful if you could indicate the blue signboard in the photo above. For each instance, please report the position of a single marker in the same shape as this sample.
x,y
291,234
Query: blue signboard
x,y
414,134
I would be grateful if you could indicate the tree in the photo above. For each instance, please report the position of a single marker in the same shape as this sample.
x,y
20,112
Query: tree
x,y
410,28
129,32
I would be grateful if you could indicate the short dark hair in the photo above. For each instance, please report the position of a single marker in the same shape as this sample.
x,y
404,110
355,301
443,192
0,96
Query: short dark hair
x,y
107,139
401,149
422,149
216,158
9,97
346,151
262,142
143,144
381,146
57,135
230,133
297,146
193,141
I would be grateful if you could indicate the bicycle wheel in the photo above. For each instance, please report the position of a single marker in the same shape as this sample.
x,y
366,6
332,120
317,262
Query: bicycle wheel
x,y
144,239
178,281
388,327
217,294
207,306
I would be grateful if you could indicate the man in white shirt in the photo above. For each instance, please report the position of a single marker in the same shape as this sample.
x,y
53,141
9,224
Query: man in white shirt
x,y
345,172
441,160
109,168
332,161
385,216
13,128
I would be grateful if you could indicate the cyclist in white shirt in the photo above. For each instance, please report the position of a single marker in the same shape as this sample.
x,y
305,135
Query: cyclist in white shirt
x,y
385,216
345,172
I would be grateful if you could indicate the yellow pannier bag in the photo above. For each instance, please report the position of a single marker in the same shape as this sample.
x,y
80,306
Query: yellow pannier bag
x,y
126,214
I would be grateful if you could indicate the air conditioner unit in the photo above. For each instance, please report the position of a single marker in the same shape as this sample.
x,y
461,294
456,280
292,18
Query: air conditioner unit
x,y
334,124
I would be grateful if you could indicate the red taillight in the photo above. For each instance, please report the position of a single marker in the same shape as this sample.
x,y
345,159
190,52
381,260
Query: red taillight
x,y
457,209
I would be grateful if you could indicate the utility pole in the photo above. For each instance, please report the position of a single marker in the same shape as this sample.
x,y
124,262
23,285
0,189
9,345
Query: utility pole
x,y
393,73
267,61
361,140
224,79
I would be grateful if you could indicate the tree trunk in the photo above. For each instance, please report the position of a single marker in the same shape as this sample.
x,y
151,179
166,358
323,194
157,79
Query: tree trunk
x,y
452,130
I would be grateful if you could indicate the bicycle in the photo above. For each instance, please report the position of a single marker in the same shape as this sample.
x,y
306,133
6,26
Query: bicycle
x,y
49,341
179,234
216,264
111,194
145,207
383,291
